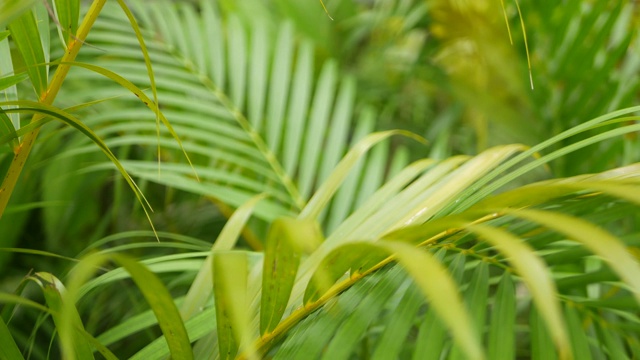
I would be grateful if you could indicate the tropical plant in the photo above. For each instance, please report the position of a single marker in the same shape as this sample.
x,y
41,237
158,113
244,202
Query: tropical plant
x,y
328,249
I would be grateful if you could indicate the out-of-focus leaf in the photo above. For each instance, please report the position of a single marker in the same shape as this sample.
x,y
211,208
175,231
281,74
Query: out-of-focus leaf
x,y
7,81
288,239
8,347
322,196
432,337
350,332
399,326
42,20
434,281
68,13
595,239
11,9
147,62
502,336
577,334
161,302
536,275
541,344
8,89
69,326
24,32
7,129
142,96
201,289
84,129
230,292
336,264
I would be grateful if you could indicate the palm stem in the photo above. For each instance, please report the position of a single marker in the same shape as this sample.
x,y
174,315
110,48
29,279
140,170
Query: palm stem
x,y
21,152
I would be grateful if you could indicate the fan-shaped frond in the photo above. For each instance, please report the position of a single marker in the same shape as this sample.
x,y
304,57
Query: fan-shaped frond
x,y
245,99
431,259
483,260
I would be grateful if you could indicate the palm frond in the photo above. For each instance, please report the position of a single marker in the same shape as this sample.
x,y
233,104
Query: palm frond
x,y
430,259
281,140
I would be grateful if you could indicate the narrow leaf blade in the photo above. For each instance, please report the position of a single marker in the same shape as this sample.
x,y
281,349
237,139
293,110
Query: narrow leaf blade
x,y
163,306
503,318
8,347
24,32
287,240
65,317
229,290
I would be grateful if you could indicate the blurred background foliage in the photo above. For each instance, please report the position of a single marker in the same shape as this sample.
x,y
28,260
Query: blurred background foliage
x,y
457,72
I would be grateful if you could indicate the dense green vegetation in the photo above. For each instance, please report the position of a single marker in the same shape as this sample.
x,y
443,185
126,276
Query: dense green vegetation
x,y
254,179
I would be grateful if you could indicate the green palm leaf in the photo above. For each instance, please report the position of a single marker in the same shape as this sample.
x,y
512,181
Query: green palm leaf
x,y
256,132
526,267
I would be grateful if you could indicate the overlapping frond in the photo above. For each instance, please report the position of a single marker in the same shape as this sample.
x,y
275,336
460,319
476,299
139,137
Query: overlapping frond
x,y
437,258
247,102
489,263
